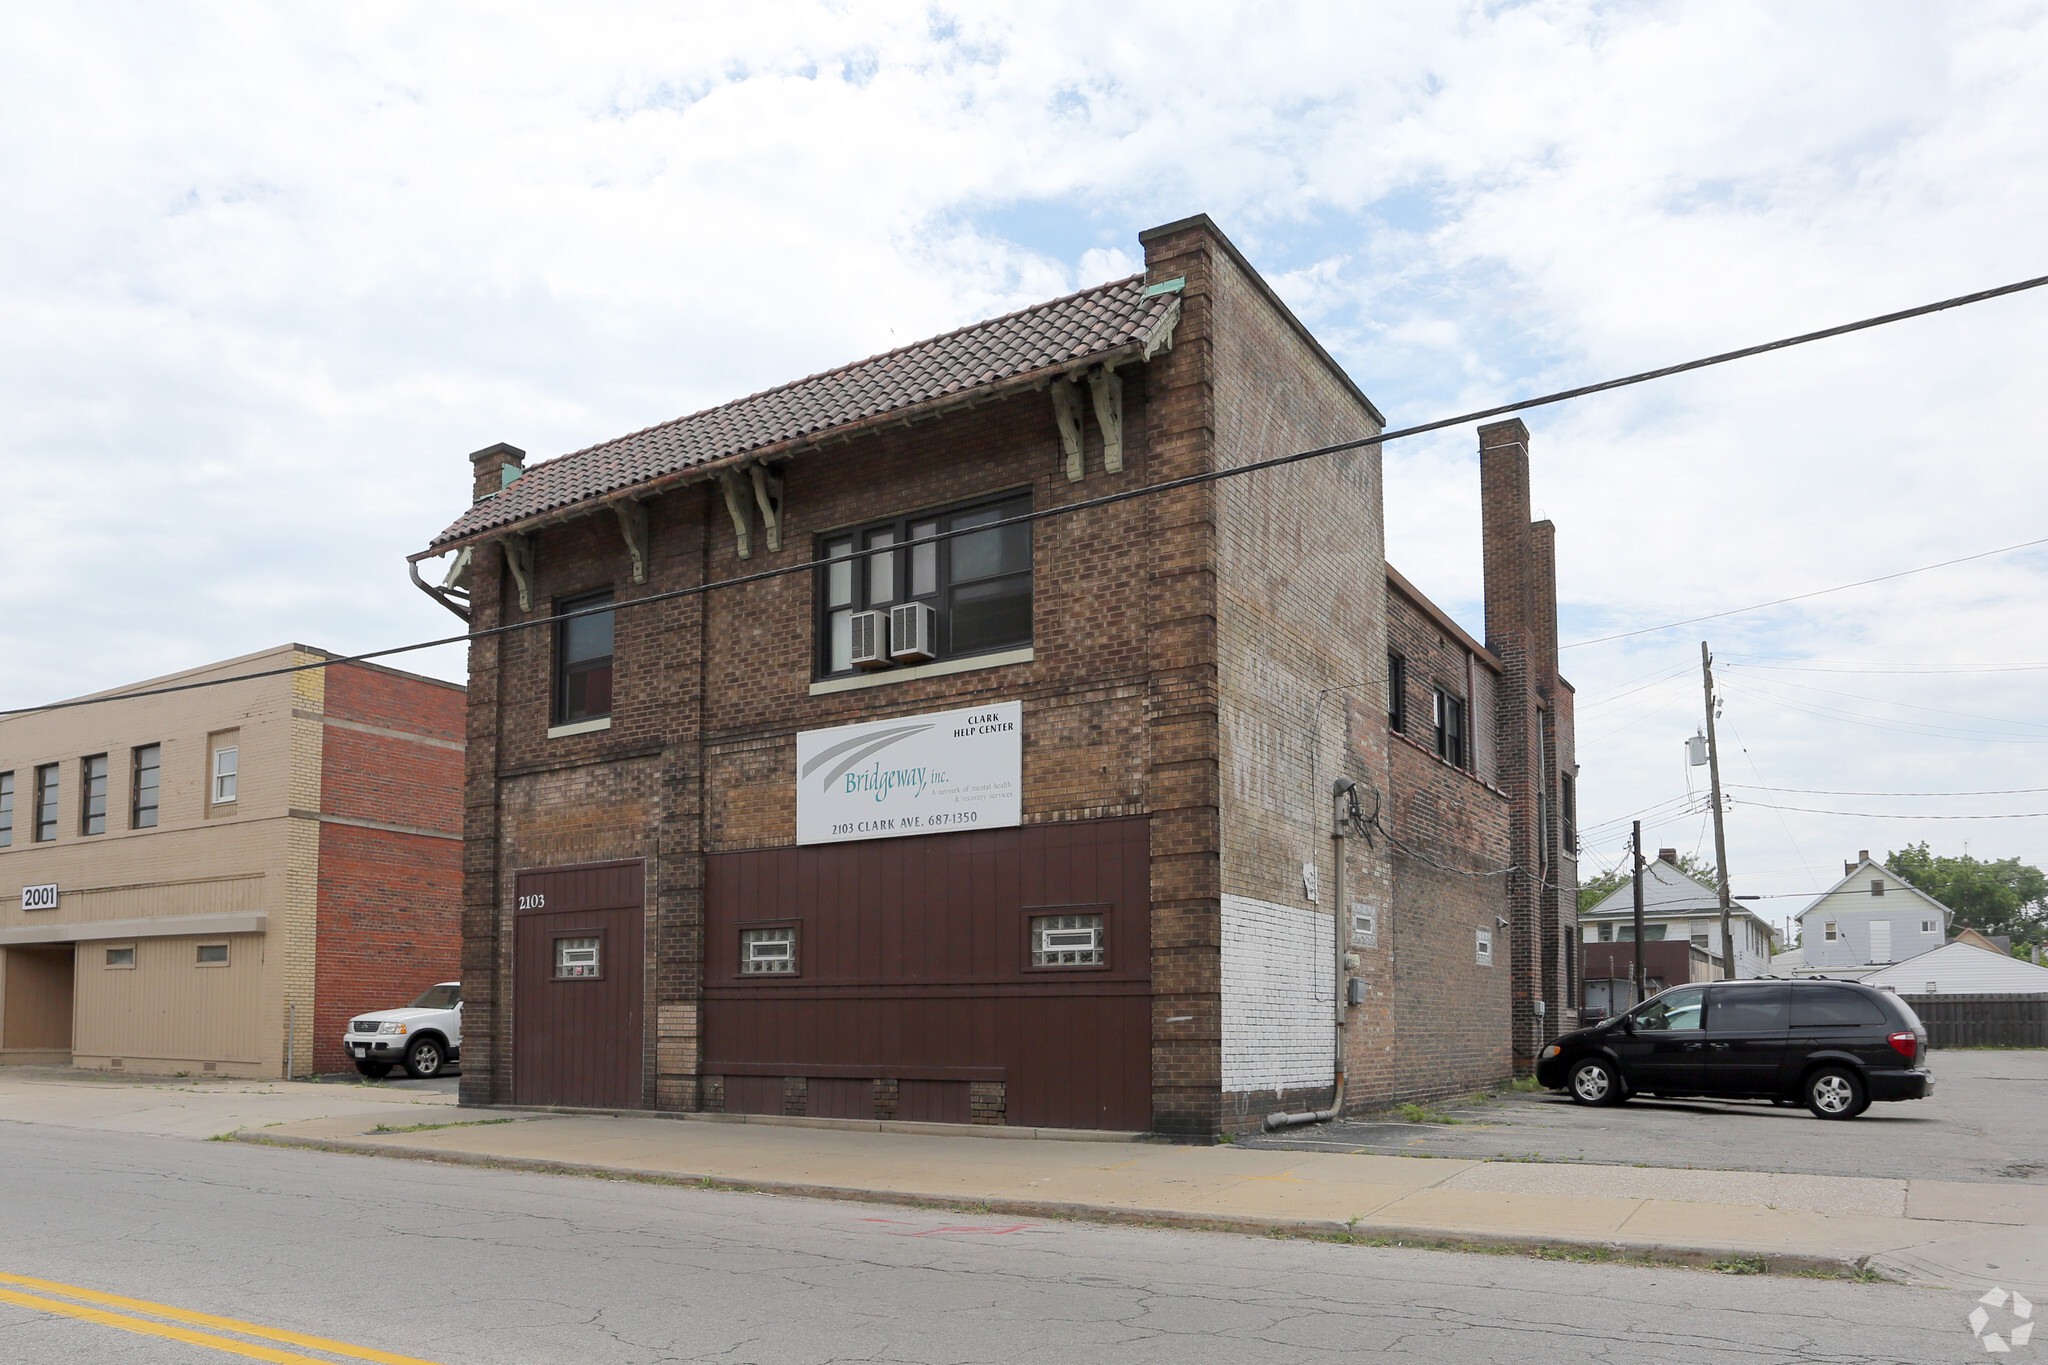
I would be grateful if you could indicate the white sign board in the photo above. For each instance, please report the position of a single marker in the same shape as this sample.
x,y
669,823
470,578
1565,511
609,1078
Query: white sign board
x,y
911,775
39,897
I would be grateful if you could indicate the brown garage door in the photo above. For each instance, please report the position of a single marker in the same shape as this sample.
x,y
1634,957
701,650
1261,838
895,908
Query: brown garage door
x,y
576,1033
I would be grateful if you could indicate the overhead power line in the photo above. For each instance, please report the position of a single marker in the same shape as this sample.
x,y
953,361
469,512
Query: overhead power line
x,y
1816,791
1148,490
1887,815
1801,597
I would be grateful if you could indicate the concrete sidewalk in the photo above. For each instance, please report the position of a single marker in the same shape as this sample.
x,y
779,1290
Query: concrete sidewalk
x,y
1932,1232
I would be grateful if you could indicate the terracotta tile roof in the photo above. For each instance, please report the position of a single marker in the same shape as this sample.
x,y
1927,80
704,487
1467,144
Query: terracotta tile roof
x,y
1095,321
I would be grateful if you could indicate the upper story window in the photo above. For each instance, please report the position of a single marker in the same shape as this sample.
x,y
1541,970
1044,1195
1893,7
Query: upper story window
x,y
1568,808
227,771
921,598
92,790
45,812
583,660
1450,728
146,770
1397,692
6,810
1828,932
1877,887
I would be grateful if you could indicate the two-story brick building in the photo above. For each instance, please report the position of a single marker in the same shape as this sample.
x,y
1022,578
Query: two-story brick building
x,y
821,762
210,872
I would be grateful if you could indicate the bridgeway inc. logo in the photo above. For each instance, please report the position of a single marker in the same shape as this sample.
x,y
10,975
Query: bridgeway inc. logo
x,y
2013,1305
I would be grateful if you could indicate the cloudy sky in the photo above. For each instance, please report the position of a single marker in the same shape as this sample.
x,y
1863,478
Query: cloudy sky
x,y
270,272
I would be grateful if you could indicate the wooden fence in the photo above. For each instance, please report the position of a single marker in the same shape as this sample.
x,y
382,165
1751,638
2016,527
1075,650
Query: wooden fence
x,y
1982,1020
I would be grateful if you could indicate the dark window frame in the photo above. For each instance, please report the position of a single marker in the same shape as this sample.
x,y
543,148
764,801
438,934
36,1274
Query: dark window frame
x,y
7,809
567,671
42,815
1568,810
901,561
137,809
93,782
1451,739
1397,692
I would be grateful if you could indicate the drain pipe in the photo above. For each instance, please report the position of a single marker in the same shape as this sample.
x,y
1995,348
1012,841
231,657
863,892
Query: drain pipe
x,y
1343,798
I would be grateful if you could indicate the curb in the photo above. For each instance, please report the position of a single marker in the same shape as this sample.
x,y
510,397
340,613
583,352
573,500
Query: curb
x,y
1399,1235
912,1126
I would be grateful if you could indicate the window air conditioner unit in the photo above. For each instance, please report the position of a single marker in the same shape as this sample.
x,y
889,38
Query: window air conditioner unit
x,y
915,629
870,639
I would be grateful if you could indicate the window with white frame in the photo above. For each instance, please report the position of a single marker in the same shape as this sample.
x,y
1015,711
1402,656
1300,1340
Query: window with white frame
x,y
768,952
1484,947
227,762
1928,926
1067,941
1829,932
577,958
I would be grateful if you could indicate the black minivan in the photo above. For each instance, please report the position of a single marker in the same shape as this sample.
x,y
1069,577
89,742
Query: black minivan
x,y
1834,1046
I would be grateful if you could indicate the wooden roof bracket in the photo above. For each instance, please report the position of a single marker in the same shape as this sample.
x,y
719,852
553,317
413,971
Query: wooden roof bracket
x,y
736,507
768,495
632,514
519,559
451,593
1066,409
1108,392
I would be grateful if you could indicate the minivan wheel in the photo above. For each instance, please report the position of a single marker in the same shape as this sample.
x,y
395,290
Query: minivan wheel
x,y
1594,1082
1835,1092
424,1059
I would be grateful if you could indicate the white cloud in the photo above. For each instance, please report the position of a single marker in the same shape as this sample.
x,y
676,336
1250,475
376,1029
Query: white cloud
x,y
269,276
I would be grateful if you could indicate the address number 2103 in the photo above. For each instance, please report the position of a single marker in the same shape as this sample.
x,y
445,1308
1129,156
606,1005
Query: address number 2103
x,y
533,902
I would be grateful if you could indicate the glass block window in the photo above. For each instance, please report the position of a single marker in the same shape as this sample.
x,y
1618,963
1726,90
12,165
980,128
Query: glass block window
x,y
576,958
1483,949
1067,941
768,952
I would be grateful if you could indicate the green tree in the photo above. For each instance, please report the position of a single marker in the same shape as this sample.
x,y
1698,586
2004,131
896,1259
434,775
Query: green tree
x,y
1602,886
2002,897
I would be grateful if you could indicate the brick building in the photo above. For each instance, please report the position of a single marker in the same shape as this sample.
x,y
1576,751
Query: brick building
x,y
1097,879
213,879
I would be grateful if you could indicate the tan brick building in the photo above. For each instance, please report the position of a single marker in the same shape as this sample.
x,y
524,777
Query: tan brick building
x,y
211,880
1098,881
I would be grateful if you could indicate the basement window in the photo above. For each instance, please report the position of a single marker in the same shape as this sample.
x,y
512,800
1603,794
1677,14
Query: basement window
x,y
921,599
1484,948
1067,941
213,955
768,952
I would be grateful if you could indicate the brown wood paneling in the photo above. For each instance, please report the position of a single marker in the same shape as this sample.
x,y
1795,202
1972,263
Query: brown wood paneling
x,y
578,1041
753,1094
935,1101
841,1098
914,955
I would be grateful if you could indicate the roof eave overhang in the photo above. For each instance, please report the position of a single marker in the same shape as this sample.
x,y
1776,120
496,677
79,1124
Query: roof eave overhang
x,y
1157,338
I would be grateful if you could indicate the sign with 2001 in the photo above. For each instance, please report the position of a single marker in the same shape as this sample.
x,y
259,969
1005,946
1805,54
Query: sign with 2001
x,y
932,774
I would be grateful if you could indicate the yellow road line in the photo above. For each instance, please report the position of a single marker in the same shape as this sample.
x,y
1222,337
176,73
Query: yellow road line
x,y
162,1310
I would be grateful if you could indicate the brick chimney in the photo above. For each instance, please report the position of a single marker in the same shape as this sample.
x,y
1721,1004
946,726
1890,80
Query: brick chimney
x,y
1668,855
495,467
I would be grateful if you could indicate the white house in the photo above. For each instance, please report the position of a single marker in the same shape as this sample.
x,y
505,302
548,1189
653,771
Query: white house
x,y
1870,918
1676,906
1962,968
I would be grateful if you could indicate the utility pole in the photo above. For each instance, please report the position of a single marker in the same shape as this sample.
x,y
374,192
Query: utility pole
x,y
1636,855
1720,832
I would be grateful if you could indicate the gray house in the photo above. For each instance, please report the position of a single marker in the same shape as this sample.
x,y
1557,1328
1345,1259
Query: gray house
x,y
1870,918
1677,907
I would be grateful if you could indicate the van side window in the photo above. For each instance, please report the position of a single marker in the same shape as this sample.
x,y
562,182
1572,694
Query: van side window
x,y
1748,1009
1833,1007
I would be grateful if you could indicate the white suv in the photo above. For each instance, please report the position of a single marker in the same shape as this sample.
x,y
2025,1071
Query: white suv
x,y
423,1037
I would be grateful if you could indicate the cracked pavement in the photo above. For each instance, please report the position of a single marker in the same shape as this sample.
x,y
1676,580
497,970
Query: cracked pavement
x,y
467,1266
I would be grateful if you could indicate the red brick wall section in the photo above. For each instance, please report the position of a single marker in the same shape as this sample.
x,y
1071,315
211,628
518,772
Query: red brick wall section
x,y
389,900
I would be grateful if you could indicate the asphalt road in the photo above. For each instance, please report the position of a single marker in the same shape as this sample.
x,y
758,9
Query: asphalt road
x,y
1987,1121
476,1267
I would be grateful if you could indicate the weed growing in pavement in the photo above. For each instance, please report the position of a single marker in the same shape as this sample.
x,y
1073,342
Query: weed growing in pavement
x,y
1415,1113
1525,1085
228,1136
423,1127
1855,1275
1742,1265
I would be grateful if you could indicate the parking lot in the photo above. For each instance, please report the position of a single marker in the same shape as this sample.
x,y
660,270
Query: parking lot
x,y
1987,1121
